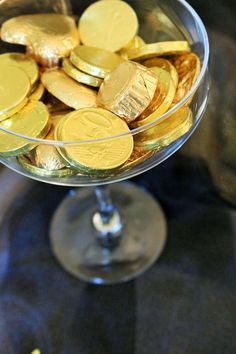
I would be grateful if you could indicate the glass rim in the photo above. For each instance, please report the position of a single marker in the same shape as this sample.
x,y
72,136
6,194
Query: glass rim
x,y
147,125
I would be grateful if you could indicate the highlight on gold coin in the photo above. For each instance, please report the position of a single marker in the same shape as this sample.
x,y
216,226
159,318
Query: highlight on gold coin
x,y
32,121
128,90
95,61
164,64
109,25
67,90
91,124
80,76
159,49
49,37
14,90
166,131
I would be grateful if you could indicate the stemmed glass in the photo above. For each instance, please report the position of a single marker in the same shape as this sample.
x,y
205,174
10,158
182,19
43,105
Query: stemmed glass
x,y
118,232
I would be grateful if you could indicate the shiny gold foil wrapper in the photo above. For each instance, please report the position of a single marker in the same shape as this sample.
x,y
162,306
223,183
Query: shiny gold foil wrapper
x,y
49,37
128,90
67,90
159,49
188,67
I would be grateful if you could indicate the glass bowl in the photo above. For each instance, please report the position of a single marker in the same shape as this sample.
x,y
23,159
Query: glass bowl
x,y
98,243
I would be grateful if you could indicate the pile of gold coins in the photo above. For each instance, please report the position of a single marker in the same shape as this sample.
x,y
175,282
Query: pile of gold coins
x,y
89,86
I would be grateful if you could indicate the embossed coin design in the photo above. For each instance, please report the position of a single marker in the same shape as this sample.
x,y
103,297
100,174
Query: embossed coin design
x,y
67,90
92,124
14,90
110,25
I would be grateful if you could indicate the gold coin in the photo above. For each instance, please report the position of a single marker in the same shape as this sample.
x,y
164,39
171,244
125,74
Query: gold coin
x,y
128,90
37,94
67,90
165,65
54,105
48,37
29,166
188,67
138,156
166,131
14,90
108,24
32,121
162,99
159,49
137,42
95,61
46,156
92,124
23,62
80,76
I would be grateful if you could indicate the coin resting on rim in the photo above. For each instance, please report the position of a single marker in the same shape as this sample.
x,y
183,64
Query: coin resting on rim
x,y
95,61
109,24
159,49
166,131
188,67
92,124
128,90
80,76
32,121
48,37
67,90
23,62
161,102
13,93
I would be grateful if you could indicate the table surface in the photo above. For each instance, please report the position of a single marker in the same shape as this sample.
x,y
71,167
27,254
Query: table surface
x,y
185,304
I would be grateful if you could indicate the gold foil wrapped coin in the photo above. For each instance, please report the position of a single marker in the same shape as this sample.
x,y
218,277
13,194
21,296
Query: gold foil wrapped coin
x,y
14,90
23,62
30,167
128,90
159,49
137,42
95,61
93,124
109,25
32,121
162,100
49,37
138,156
67,90
80,76
165,65
188,67
166,131
46,156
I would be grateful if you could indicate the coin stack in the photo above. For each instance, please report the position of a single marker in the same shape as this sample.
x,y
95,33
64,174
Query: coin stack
x,y
83,89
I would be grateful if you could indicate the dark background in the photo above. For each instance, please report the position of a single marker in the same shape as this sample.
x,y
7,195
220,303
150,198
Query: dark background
x,y
186,304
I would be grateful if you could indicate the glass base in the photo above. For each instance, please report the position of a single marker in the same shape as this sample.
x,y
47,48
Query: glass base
x,y
76,247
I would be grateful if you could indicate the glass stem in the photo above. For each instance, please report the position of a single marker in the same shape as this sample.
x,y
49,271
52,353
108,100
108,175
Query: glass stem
x,y
107,220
